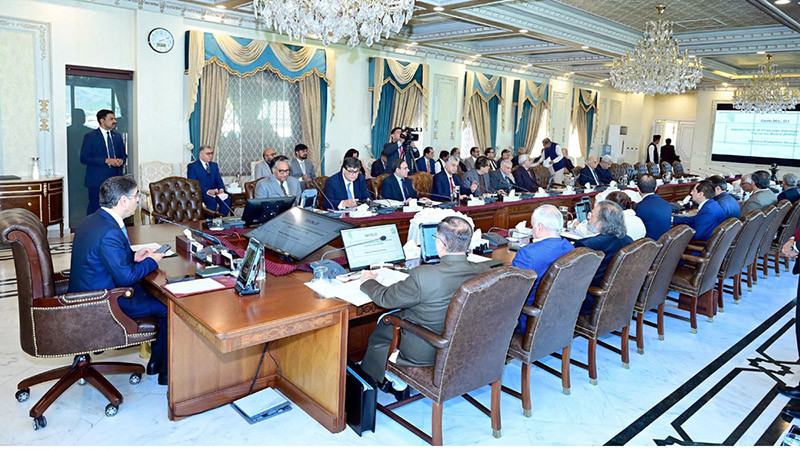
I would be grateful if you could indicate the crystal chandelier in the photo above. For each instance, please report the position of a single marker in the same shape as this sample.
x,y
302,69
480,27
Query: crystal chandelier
x,y
656,66
332,20
765,93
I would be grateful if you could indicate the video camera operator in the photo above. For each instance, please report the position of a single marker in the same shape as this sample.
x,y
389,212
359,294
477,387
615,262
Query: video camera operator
x,y
402,147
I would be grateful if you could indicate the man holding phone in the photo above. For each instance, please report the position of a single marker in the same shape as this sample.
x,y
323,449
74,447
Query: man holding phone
x,y
102,259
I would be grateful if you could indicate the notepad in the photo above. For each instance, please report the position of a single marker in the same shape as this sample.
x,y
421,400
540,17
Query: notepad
x,y
184,288
351,291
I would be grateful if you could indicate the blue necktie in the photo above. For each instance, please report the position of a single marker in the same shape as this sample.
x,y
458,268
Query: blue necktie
x,y
110,145
125,232
350,191
403,189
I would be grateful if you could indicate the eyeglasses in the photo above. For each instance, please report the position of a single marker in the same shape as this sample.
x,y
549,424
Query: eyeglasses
x,y
352,171
284,170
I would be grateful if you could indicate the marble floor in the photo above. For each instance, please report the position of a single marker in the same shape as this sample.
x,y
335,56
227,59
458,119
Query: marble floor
x,y
713,387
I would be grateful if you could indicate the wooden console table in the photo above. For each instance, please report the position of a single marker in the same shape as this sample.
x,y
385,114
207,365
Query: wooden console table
x,y
43,197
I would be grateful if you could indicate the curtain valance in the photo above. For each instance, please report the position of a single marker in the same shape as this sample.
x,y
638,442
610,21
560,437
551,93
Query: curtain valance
x,y
531,92
402,75
486,87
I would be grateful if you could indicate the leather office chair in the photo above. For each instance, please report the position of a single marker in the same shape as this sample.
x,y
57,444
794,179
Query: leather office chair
x,y
576,171
614,300
422,182
751,257
617,172
630,170
470,352
374,184
695,280
677,169
542,175
551,318
640,169
734,261
785,231
250,188
56,324
654,170
666,167
178,199
772,227
318,183
149,172
656,284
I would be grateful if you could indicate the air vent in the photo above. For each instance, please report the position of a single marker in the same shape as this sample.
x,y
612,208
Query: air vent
x,y
698,24
623,131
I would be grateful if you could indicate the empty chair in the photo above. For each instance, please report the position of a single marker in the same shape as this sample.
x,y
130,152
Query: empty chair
x,y
656,284
677,169
552,317
178,199
471,351
318,183
422,183
734,261
629,170
542,175
250,188
665,167
617,172
785,231
771,232
614,300
641,169
654,170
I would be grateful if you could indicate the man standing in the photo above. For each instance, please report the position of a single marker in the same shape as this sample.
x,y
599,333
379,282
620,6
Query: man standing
x,y
103,153
502,181
397,186
668,152
554,158
589,173
725,200
264,168
523,175
762,196
395,150
709,215
652,149
790,191
426,163
347,187
423,297
474,154
102,259
445,182
280,184
655,212
302,168
207,173
480,176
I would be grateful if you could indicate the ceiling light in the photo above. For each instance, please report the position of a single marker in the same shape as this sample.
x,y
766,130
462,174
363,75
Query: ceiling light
x,y
572,73
766,92
221,7
585,47
478,56
692,56
782,2
438,8
523,31
411,44
528,65
725,84
761,53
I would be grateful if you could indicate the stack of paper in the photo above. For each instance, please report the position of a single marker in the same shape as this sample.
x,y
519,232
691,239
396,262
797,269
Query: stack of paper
x,y
351,291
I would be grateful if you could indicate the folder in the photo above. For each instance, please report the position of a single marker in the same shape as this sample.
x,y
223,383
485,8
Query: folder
x,y
360,400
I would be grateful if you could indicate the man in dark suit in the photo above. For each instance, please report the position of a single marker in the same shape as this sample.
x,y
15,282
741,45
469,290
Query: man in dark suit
x,y
652,149
725,200
792,409
589,173
445,181
609,222
523,175
603,170
102,259
379,166
423,297
790,191
502,180
655,212
347,187
396,150
489,153
426,162
103,153
207,173
709,214
668,152
397,186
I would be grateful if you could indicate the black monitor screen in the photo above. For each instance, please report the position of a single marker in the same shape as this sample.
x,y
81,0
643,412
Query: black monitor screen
x,y
262,210
298,232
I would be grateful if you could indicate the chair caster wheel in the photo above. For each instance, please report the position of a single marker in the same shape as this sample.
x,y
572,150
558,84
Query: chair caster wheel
x,y
497,433
23,395
111,410
694,330
593,381
39,422
82,381
526,412
135,378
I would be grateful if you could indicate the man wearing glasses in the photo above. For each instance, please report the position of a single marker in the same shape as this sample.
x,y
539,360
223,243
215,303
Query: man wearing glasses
x,y
207,173
347,187
281,184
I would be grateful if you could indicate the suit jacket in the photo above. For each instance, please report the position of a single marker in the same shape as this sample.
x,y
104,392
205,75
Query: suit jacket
x,y
441,187
604,175
586,177
390,189
498,181
390,149
270,188
759,199
656,213
102,257
431,169
729,205
791,194
262,170
378,168
472,175
297,171
668,154
94,155
469,163
652,153
424,298
609,245
524,180
210,179
336,191
705,221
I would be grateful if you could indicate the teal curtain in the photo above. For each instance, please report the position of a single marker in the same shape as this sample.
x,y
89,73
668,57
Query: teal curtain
x,y
524,107
493,98
212,50
388,86
522,130
323,103
194,126
493,117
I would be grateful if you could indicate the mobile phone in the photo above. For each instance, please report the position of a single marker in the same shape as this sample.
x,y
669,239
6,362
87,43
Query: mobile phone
x,y
163,249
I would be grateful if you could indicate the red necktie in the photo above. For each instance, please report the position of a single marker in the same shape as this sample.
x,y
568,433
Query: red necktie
x,y
400,151
452,186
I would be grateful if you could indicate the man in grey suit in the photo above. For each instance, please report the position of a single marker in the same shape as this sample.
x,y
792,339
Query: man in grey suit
x,y
762,196
474,154
302,168
424,298
264,168
502,180
280,184
479,174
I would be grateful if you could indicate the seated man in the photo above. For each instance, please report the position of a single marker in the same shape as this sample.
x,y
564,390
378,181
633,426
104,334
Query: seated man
x,y
567,161
790,191
709,214
397,186
446,181
489,153
725,200
501,180
747,186
207,173
280,184
474,154
102,259
347,187
762,196
589,173
379,166
609,222
525,181
302,167
546,247
426,162
479,174
424,298
655,212
264,168
602,170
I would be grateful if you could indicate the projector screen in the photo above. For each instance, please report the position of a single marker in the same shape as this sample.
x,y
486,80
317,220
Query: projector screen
x,y
756,138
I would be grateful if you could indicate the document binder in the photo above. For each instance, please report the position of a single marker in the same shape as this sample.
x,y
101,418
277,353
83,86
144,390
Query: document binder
x,y
360,400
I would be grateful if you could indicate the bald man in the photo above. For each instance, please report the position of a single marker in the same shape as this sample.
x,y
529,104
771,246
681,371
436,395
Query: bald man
x,y
589,173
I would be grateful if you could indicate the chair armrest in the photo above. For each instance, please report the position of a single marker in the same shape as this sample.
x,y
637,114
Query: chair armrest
x,y
61,282
211,213
597,292
82,298
701,243
422,332
694,259
531,311
695,248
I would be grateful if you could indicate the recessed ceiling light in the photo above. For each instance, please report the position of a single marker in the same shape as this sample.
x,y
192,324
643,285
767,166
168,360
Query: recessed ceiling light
x,y
692,56
585,47
221,7
478,56
438,8
760,53
572,73
411,44
724,84
523,31
528,65
782,2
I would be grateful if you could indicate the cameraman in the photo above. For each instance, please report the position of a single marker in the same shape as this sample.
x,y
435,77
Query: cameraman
x,y
397,149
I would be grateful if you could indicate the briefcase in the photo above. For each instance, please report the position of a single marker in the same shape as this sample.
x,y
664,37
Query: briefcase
x,y
360,399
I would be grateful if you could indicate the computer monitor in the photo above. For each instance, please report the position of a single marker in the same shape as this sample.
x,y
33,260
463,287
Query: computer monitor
x,y
308,199
262,210
297,233
248,271
428,253
372,245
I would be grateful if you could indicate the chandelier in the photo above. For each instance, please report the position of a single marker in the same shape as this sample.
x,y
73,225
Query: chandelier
x,y
765,93
333,20
656,66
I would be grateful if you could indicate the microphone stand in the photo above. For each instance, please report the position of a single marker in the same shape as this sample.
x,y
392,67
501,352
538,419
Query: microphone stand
x,y
335,269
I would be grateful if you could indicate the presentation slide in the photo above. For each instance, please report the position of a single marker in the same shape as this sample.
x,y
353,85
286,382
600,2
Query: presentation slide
x,y
756,138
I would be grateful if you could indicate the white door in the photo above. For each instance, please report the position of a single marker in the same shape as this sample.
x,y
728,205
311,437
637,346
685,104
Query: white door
x,y
683,146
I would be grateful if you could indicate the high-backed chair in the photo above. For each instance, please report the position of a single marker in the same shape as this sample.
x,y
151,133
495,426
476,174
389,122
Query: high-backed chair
x,y
614,299
53,323
542,175
772,227
654,170
677,168
422,182
178,199
318,183
696,279
148,173
785,231
552,316
752,252
375,184
250,188
666,167
630,170
471,351
656,284
734,261
640,169
617,172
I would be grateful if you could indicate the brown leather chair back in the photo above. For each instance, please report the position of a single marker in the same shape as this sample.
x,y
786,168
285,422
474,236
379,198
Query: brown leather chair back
x,y
318,183
630,170
542,175
677,169
623,280
559,296
617,172
422,182
479,324
665,167
783,207
705,278
656,283
576,171
640,169
375,184
654,170
178,199
250,188
734,260
769,213
789,224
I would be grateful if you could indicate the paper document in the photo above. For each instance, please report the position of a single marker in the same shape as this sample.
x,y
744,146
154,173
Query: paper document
x,y
473,258
389,203
193,286
153,245
351,291
571,236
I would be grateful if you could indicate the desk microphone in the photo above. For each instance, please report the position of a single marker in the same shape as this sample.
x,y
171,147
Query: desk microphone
x,y
494,238
230,212
194,231
335,269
